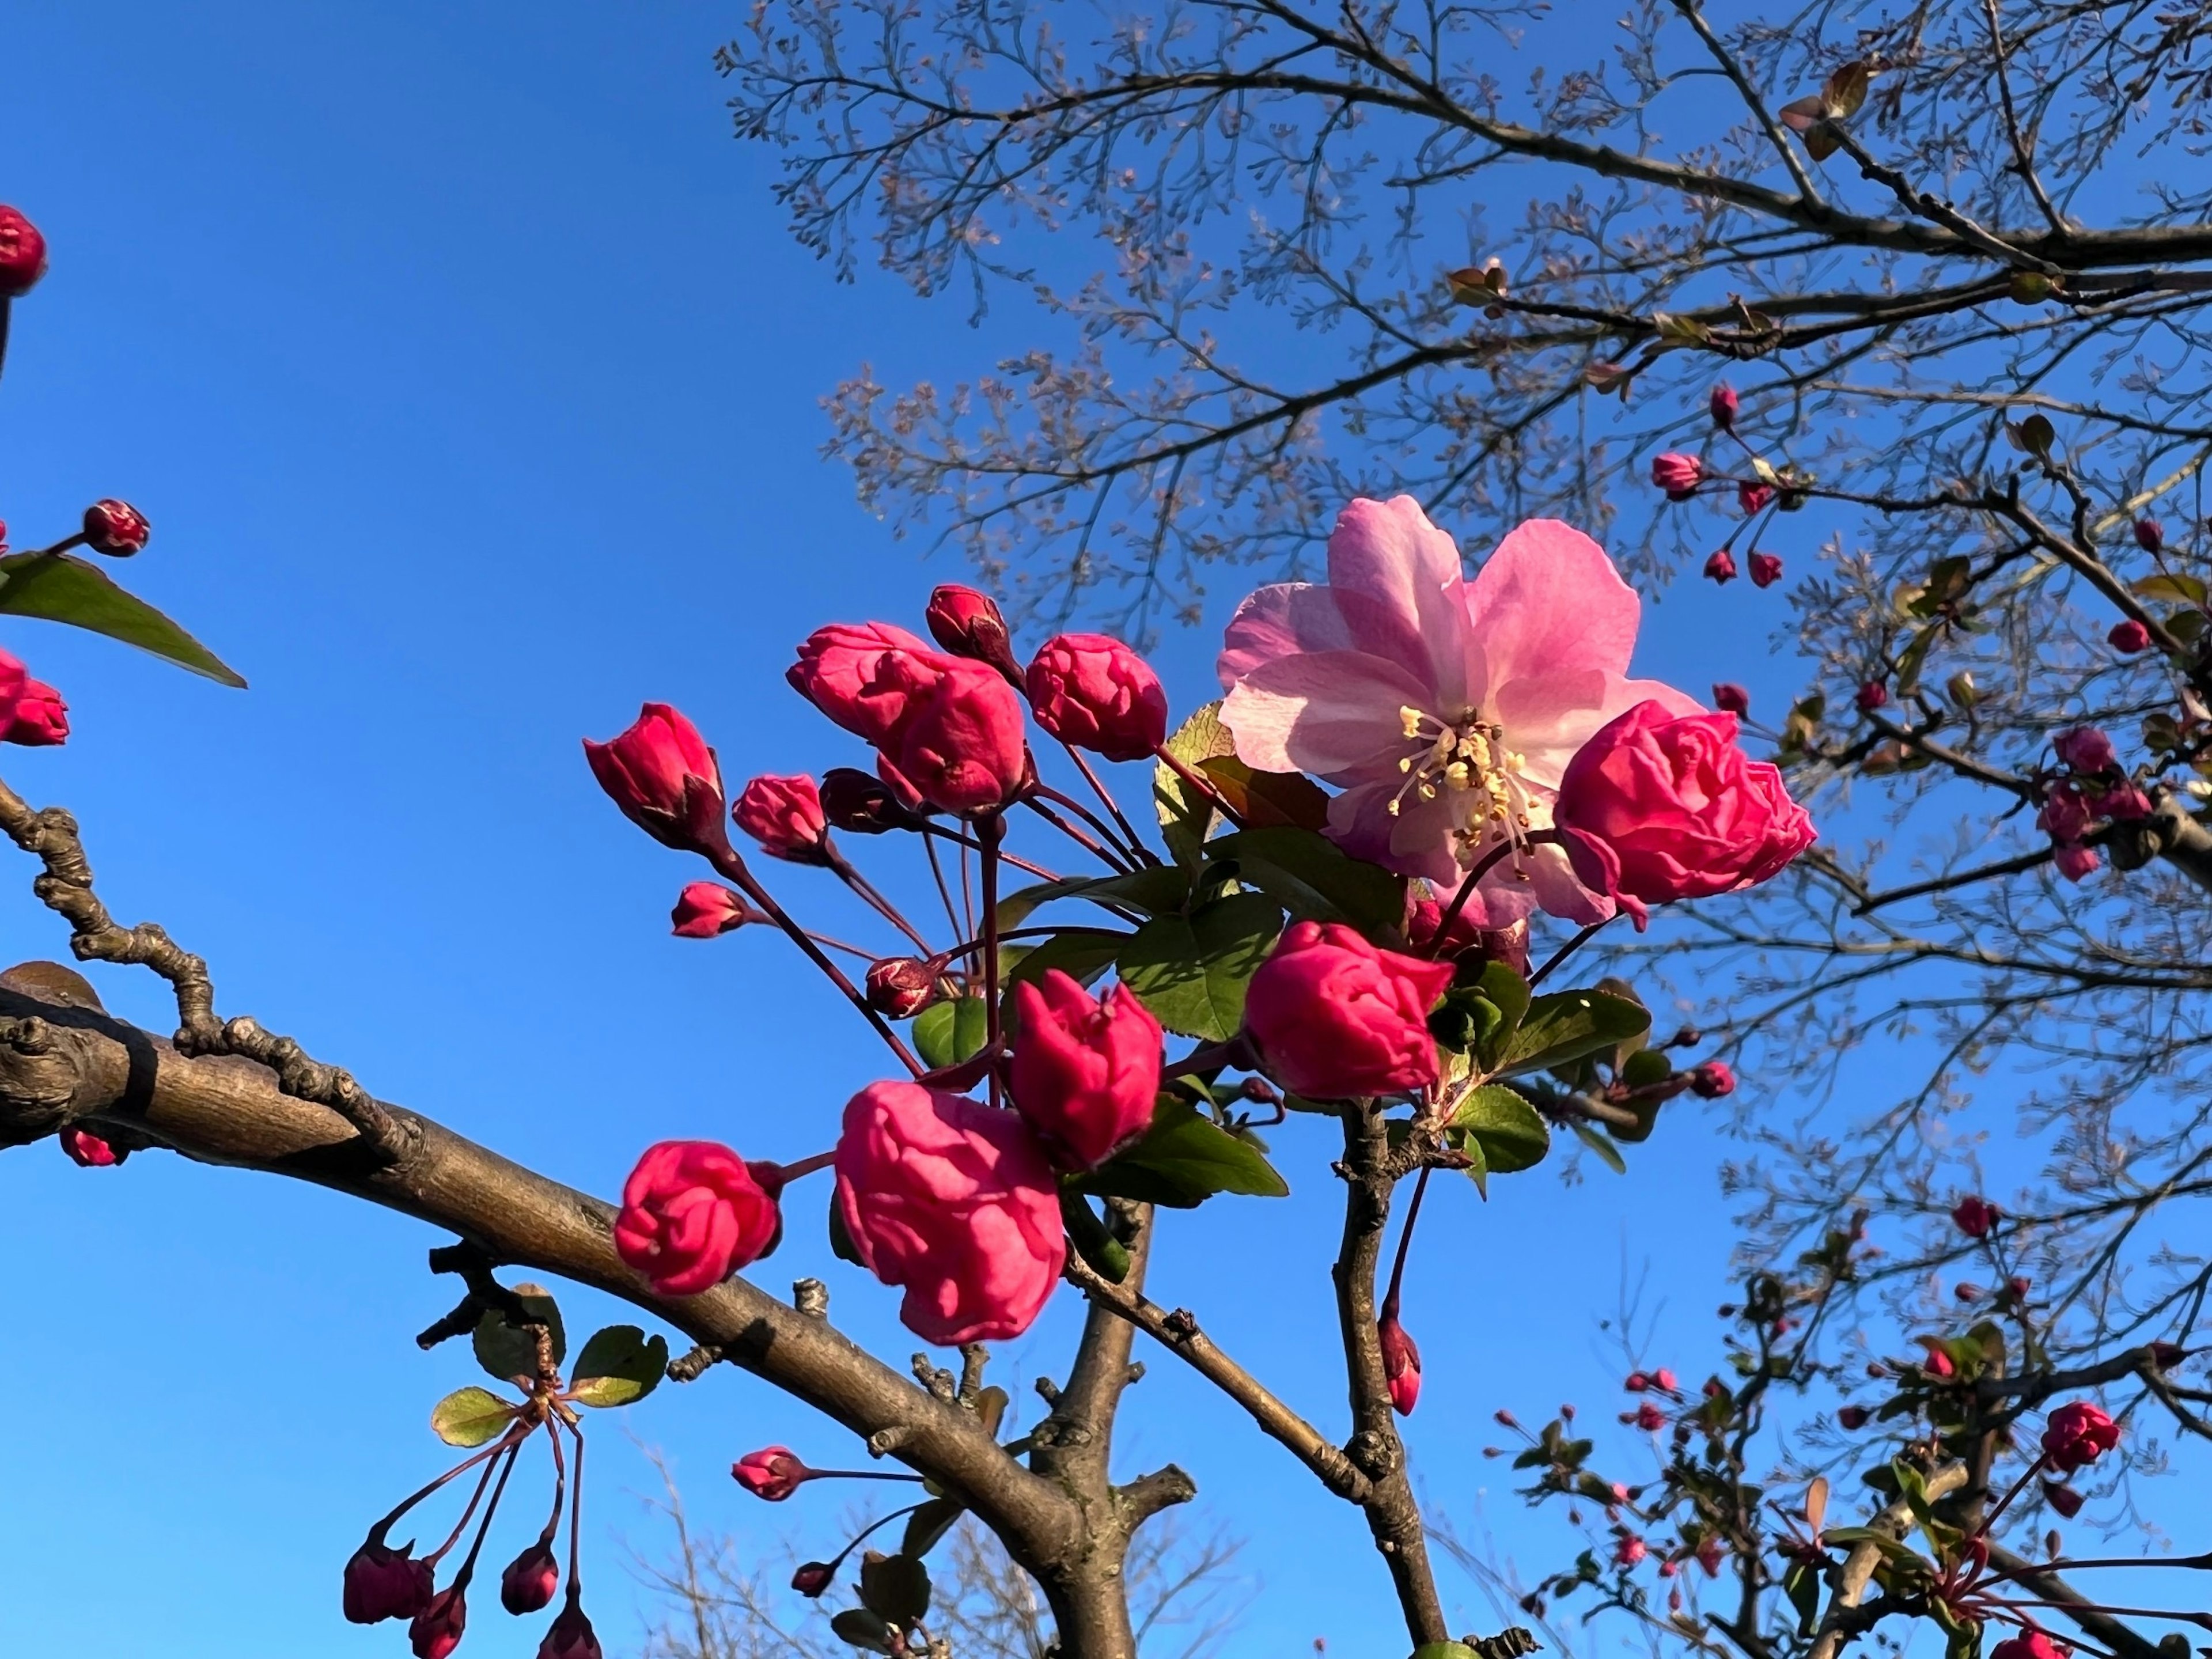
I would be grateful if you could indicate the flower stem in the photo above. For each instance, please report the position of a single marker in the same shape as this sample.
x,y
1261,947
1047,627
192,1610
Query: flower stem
x,y
1566,950
1136,842
989,829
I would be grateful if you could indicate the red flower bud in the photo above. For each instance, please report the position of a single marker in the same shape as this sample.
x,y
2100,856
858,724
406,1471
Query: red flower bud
x,y
774,1473
1092,691
952,729
1335,1016
1629,1550
1853,1417
1506,1418
1663,1379
23,254
1677,474
813,1578
1938,1363
1974,1217
571,1637
2084,748
861,803
2078,1435
1401,1364
436,1630
1085,1070
1872,696
528,1582
88,1151
2126,803
2149,536
901,987
2074,861
2064,1499
1969,1293
1728,695
706,908
1722,406
1648,1417
970,624
1636,1382
40,718
2166,1355
1712,1079
784,815
1765,569
2034,1644
694,1211
1720,568
664,777
381,1582
1752,497
116,528
837,663
2128,638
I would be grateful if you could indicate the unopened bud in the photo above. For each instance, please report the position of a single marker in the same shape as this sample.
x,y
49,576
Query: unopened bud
x,y
1728,695
1853,1417
1507,1418
2129,637
116,528
1765,569
529,1581
1721,406
23,254
1712,1079
813,1578
1720,568
1401,1364
970,624
900,987
2065,1499
1872,696
861,803
2149,536
436,1631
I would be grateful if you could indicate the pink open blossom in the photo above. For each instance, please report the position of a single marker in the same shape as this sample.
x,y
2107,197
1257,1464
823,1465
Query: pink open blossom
x,y
1445,709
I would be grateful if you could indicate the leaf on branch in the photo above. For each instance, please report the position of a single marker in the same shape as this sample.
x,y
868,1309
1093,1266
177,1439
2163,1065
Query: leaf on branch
x,y
1313,879
1192,971
2180,589
1569,1024
895,1587
1268,801
58,587
509,1349
929,1524
470,1416
1183,1160
946,1033
1499,1121
1601,1144
1082,953
2032,436
617,1365
1161,888
1185,815
858,1627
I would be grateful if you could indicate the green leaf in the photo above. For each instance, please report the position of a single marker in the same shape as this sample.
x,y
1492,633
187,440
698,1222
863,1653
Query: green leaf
x,y
895,1587
619,1365
1312,878
1153,890
946,1033
1184,813
1083,953
1801,1584
2180,589
58,587
1184,1159
1500,1120
1191,971
1444,1651
1508,993
858,1627
470,1416
508,1350
928,1524
1268,800
841,1241
1572,1023
1599,1142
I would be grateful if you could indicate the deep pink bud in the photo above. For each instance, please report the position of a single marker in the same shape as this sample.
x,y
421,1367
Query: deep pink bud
x,y
1085,1071
529,1581
706,908
2084,748
2074,861
956,1201
436,1630
571,1637
1712,1079
2128,638
813,1578
1752,497
663,777
901,987
23,254
970,624
40,718
1853,1417
2064,1499
1872,696
2149,536
1658,807
1765,569
88,1151
1677,474
1969,1292
2032,1645
1712,1550
2127,804
1728,695
1336,1017
837,663
116,528
2078,1435
693,1212
862,804
381,1582
1722,406
1720,568
2065,815
1938,1363
784,815
1401,1364
1636,1382
1975,1216
1629,1550
1092,691
957,738
1663,1379
1648,1417
774,1473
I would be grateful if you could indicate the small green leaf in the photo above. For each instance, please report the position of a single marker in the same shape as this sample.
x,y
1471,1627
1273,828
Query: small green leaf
x,y
1184,1159
1153,890
1083,953
1599,1142
1801,1584
1570,1024
858,1627
619,1365
58,587
927,1525
1191,971
1444,1651
470,1416
895,1587
1508,993
1646,1068
1505,1125
946,1033
1312,878
2180,589
1184,813
507,1350
1268,800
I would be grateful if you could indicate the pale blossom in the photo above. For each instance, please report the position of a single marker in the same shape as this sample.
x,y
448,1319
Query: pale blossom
x,y
1445,709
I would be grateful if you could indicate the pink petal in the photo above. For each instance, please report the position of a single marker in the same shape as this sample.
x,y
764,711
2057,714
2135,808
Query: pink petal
x,y
1418,843
1324,713
1281,621
1389,553
1548,602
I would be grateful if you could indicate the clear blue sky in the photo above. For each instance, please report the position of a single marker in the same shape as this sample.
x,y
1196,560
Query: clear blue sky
x,y
459,357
